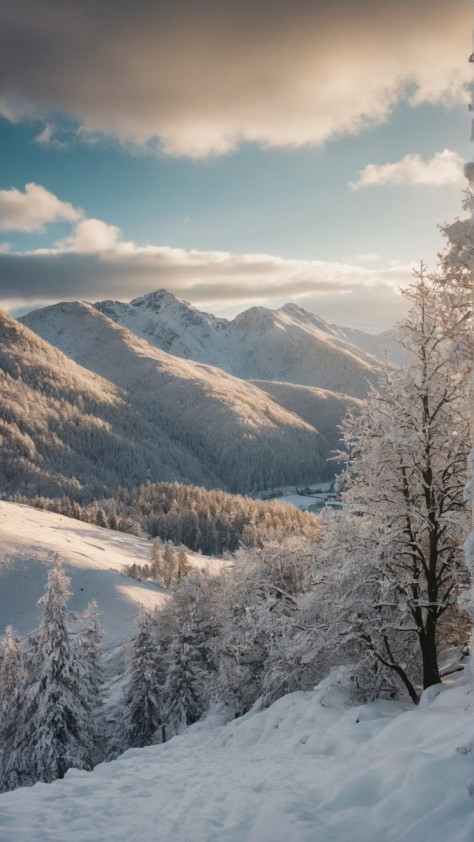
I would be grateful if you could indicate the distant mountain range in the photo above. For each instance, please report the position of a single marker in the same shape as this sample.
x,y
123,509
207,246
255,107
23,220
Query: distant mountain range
x,y
94,396
289,344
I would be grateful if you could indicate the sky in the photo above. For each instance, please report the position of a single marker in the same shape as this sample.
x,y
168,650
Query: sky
x,y
236,153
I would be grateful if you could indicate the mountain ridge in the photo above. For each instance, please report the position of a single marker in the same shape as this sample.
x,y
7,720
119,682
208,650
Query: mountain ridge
x,y
288,344
211,428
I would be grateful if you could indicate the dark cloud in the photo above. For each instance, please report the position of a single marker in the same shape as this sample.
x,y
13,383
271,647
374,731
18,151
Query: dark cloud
x,y
207,279
202,76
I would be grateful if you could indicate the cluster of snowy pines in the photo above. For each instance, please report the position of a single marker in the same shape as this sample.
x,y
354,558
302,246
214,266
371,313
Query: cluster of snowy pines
x,y
49,694
167,565
212,522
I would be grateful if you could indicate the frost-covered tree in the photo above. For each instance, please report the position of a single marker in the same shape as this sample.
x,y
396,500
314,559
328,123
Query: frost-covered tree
x,y
405,473
190,621
89,655
170,562
143,694
183,566
12,685
54,730
156,563
183,695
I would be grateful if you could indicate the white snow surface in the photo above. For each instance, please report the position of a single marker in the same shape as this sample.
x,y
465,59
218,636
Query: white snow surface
x,y
93,558
311,768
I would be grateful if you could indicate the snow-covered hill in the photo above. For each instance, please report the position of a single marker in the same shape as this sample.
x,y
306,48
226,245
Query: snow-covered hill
x,y
94,558
311,768
210,428
289,344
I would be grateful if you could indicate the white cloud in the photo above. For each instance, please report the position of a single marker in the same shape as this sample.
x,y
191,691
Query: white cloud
x,y
34,209
444,169
46,138
202,78
94,262
91,235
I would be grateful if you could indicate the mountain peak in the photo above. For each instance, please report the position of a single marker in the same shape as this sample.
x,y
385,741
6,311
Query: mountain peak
x,y
157,300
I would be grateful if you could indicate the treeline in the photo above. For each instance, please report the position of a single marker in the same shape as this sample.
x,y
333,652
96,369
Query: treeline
x,y
210,521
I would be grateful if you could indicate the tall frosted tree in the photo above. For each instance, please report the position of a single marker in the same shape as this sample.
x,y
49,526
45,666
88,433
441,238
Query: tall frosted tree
x,y
12,685
54,731
183,695
405,473
89,651
143,695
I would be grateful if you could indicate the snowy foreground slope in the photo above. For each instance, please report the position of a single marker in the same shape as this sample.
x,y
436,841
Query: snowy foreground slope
x,y
311,768
94,559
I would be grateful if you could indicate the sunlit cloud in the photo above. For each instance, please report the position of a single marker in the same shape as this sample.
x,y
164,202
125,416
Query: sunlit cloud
x,y
33,209
444,169
95,263
201,78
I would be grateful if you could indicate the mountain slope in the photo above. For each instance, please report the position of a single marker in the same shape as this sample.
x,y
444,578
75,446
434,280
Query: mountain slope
x,y
289,344
237,433
95,560
318,407
67,431
376,344
310,768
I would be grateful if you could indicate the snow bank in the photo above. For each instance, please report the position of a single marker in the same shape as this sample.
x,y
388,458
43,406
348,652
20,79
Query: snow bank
x,y
311,768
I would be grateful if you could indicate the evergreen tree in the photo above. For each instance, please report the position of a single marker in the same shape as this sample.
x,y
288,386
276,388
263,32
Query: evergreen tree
x,y
89,654
183,695
169,565
183,566
156,565
12,684
54,731
143,697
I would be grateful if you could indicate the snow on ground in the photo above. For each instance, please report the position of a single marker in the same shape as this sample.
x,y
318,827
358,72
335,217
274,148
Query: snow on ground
x,y
94,559
311,768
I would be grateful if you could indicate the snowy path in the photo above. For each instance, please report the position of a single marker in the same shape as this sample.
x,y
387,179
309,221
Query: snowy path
x,y
298,772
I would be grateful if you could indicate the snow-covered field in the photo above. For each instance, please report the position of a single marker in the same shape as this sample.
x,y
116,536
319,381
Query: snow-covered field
x,y
311,768
93,558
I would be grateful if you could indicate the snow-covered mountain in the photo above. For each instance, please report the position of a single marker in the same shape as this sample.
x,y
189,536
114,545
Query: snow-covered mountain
x,y
238,435
68,431
378,345
289,344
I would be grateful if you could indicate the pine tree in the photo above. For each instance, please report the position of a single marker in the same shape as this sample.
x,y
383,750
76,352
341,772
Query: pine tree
x,y
156,565
12,685
89,654
169,565
143,697
183,566
54,731
185,681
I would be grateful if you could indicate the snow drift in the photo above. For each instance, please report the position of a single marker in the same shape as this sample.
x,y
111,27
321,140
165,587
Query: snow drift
x,y
311,768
